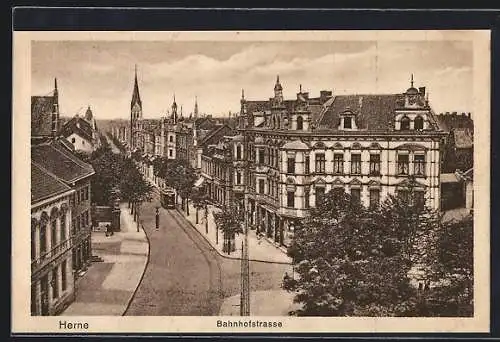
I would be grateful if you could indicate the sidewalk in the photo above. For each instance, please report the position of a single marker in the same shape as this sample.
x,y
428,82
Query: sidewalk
x,y
108,286
259,249
262,303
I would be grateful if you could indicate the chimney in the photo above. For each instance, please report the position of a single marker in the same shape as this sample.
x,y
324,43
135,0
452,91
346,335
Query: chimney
x,y
468,115
324,95
421,90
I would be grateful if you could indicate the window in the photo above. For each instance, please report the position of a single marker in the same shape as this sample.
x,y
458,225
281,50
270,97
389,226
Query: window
x,y
403,195
261,156
356,195
171,138
320,194
77,228
63,226
356,164
55,289
63,275
419,164
238,177
72,140
300,123
170,153
53,231
83,142
261,186
374,198
419,199
272,153
238,152
306,197
418,123
374,164
320,163
403,164
290,199
338,163
405,123
73,227
77,197
43,238
307,164
291,165
33,243
347,122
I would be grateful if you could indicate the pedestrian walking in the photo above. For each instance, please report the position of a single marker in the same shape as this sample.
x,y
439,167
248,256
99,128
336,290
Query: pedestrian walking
x,y
157,218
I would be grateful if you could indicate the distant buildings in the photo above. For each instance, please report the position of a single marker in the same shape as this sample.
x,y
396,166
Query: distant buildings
x,y
82,132
60,211
458,161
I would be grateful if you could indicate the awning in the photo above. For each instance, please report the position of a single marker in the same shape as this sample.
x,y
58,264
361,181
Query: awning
x,y
199,182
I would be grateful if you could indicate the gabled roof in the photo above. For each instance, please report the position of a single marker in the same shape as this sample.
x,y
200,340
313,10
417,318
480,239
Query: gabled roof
x,y
59,161
41,115
373,112
215,135
44,184
77,125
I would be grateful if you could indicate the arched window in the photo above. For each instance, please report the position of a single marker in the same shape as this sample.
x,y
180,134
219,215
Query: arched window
x,y
300,123
419,123
238,152
405,123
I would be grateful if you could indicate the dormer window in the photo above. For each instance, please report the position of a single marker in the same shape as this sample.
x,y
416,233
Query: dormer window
x,y
405,123
418,123
300,123
348,122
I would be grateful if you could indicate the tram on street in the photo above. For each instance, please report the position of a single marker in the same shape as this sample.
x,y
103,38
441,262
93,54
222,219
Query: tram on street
x,y
167,198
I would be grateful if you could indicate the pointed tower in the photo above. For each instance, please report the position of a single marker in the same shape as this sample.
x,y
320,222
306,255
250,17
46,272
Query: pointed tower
x,y
278,91
174,112
135,113
55,110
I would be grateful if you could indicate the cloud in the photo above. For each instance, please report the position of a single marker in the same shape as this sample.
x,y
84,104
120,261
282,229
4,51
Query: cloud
x,y
102,75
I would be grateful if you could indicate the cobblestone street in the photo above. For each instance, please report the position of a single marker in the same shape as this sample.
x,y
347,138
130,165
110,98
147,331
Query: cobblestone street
x,y
185,275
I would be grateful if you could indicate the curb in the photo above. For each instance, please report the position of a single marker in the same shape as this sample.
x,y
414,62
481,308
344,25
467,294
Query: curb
x,y
227,256
142,275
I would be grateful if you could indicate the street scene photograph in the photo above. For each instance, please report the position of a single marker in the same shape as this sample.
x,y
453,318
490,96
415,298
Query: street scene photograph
x,y
257,177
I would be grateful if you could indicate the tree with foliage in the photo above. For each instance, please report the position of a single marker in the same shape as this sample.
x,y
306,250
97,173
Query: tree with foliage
x,y
108,169
352,261
200,201
452,270
230,221
181,176
133,187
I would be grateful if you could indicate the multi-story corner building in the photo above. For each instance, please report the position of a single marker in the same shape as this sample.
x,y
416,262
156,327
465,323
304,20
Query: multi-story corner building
x,y
61,221
52,281
59,161
289,153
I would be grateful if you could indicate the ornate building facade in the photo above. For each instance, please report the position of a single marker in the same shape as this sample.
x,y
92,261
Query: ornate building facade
x,y
289,153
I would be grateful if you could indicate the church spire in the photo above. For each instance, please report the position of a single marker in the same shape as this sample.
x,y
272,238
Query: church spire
x,y
136,98
196,107
411,80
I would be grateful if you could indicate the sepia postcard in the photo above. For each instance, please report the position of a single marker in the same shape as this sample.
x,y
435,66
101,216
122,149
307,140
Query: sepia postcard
x,y
251,181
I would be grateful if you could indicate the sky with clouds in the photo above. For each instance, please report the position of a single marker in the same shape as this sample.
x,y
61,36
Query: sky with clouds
x,y
101,73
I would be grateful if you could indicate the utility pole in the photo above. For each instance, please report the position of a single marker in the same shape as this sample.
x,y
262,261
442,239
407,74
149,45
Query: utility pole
x,y
245,272
245,264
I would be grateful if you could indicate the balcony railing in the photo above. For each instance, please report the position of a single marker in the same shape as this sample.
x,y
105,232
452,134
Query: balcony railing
x,y
47,257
